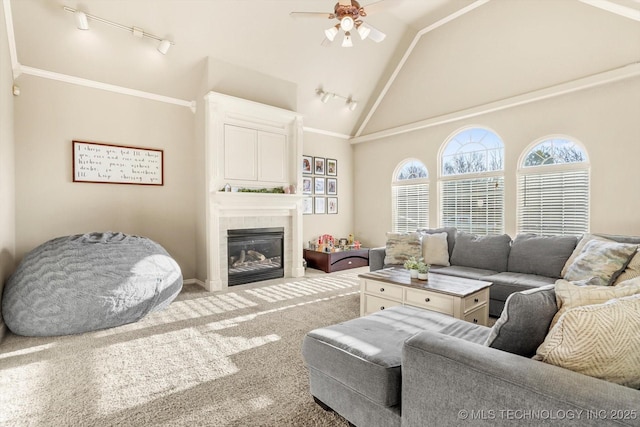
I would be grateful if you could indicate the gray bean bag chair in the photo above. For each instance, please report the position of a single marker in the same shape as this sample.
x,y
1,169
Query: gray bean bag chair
x,y
87,282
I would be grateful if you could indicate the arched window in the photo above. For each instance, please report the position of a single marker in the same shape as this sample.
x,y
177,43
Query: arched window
x,y
410,194
472,182
553,188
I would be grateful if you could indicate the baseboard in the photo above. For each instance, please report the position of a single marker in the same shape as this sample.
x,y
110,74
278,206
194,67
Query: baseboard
x,y
194,281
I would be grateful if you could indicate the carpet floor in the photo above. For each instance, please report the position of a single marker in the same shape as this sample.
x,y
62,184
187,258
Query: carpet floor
x,y
209,359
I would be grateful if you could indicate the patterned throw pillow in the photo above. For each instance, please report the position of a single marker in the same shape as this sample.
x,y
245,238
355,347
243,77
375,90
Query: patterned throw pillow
x,y
632,271
599,340
569,295
586,238
602,260
402,246
435,249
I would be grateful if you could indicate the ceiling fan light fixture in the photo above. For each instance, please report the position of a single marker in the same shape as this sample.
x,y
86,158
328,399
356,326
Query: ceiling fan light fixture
x,y
363,31
81,20
347,23
346,42
331,33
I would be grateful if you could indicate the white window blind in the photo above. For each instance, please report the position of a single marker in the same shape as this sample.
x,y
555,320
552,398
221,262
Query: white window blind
x,y
473,205
554,203
410,207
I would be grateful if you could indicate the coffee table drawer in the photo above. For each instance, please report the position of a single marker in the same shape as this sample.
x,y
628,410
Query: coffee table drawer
x,y
479,316
476,300
430,300
384,290
373,304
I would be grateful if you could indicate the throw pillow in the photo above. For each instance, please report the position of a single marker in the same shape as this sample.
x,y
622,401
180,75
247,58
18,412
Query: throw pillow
x,y
541,255
586,238
524,321
435,249
632,271
402,246
600,340
486,252
570,295
451,235
603,260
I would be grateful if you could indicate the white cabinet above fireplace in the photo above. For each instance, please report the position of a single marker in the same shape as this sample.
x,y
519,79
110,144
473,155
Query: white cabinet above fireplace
x,y
255,155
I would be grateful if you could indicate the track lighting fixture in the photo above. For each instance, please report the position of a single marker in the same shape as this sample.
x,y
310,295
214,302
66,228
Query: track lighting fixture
x,y
82,22
326,96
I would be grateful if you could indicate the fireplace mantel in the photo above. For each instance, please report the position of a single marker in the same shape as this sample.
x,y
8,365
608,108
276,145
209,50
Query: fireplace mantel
x,y
275,159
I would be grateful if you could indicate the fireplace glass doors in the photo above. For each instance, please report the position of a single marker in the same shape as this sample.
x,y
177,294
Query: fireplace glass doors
x,y
255,254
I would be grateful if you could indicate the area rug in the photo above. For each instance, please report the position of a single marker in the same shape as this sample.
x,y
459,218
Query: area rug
x,y
227,359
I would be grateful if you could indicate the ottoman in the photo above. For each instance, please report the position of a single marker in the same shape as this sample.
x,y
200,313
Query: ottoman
x,y
355,366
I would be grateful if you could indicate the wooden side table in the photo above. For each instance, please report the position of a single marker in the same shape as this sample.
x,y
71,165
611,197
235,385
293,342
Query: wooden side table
x,y
336,261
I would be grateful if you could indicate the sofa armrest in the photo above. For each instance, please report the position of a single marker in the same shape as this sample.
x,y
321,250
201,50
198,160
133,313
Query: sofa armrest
x,y
376,258
447,381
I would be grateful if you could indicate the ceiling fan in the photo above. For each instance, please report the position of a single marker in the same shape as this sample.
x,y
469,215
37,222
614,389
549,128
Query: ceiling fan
x,y
348,14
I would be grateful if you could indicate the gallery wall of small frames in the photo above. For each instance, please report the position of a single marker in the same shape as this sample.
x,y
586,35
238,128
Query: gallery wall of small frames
x,y
319,185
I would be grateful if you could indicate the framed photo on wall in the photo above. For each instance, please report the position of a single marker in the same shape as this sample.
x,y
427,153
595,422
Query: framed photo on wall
x,y
319,185
318,165
307,161
320,205
332,167
306,185
332,186
307,206
332,205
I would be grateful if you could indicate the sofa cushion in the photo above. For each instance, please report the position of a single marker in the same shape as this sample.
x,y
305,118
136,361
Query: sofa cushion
x,y
598,340
602,260
451,235
541,255
365,353
402,246
465,272
486,252
504,284
570,295
435,249
524,321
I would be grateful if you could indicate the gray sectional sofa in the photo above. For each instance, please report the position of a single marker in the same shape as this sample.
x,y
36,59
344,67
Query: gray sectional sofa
x,y
527,262
405,366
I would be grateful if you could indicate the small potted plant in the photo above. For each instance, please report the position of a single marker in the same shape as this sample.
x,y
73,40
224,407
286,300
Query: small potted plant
x,y
412,265
423,271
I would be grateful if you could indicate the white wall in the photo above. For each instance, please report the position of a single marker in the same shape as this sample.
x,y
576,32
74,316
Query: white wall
x,y
604,119
49,115
7,170
340,224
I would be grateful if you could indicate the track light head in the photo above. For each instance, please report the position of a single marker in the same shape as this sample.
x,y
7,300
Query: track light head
x,y
81,20
164,46
352,104
326,96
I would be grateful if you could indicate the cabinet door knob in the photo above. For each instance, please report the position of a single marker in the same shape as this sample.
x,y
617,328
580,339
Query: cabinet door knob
x,y
427,299
382,308
476,300
475,320
381,289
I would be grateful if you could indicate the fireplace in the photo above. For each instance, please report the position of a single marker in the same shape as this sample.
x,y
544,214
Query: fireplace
x,y
255,254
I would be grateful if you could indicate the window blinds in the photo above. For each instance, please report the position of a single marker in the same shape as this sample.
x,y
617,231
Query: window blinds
x,y
554,203
410,207
473,205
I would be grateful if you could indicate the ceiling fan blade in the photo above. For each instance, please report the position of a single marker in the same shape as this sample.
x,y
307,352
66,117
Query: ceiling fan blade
x,y
375,34
311,14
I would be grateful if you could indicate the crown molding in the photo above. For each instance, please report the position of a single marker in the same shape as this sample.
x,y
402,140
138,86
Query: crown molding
x,y
606,77
106,86
615,8
326,132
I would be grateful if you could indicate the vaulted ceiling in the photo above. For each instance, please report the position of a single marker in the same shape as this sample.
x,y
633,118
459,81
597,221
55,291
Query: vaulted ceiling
x,y
258,35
